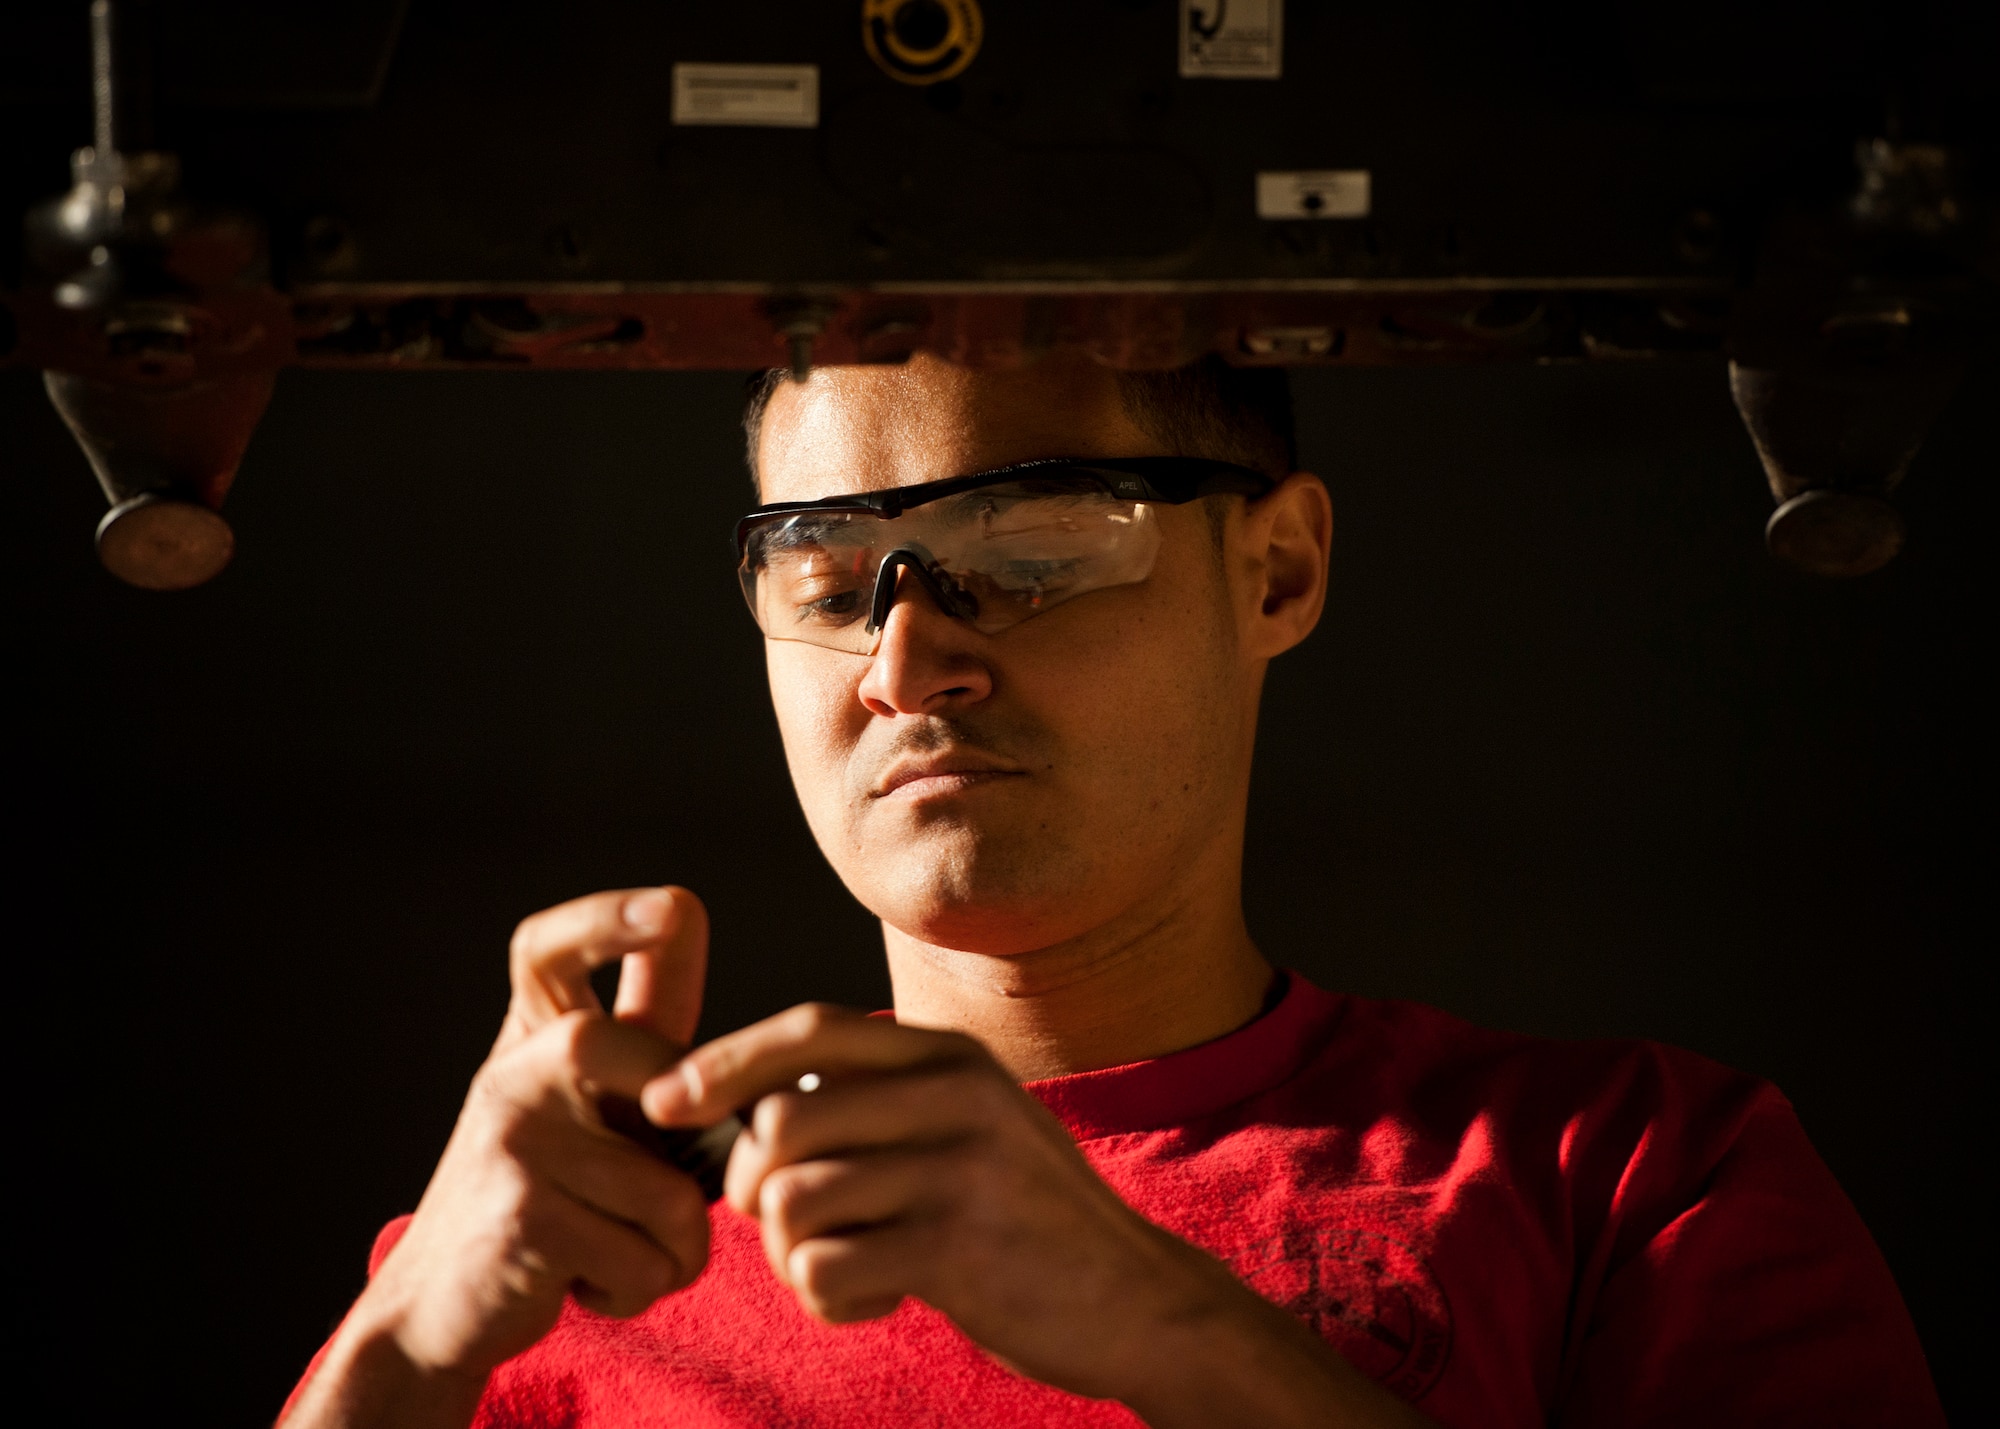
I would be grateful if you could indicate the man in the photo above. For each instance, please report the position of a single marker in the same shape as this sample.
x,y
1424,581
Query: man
x,y
1104,1161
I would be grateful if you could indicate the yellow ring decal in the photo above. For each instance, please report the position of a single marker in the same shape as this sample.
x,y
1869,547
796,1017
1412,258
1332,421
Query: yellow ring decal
x,y
921,41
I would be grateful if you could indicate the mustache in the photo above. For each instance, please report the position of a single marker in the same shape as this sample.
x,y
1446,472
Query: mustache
x,y
1002,737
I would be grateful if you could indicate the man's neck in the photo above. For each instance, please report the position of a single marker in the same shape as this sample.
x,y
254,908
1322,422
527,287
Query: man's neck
x,y
1158,980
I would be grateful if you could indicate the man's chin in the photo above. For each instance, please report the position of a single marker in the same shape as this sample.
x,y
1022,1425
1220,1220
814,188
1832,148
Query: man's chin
x,y
988,933
974,906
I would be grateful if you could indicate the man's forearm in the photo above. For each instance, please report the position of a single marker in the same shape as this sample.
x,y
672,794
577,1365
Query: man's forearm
x,y
366,1381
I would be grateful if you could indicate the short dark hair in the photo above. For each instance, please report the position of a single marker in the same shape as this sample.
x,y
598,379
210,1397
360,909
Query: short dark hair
x,y
1211,409
1208,408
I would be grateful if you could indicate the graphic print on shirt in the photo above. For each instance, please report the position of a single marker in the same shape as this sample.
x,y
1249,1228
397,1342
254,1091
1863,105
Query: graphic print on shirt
x,y
1369,1296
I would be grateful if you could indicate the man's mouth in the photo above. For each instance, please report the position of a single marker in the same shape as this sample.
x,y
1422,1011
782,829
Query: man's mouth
x,y
940,772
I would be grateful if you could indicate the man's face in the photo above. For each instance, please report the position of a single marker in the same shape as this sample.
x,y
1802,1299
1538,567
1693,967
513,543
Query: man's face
x,y
1003,793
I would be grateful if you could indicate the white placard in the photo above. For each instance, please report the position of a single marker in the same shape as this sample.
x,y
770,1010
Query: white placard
x,y
1313,193
786,96
1232,39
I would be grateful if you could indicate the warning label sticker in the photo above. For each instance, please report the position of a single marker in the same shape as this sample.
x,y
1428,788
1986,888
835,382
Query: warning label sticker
x,y
783,95
1313,193
1232,39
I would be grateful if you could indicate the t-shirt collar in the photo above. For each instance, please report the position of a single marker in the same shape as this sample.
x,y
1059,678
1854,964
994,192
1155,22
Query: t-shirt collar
x,y
1198,1081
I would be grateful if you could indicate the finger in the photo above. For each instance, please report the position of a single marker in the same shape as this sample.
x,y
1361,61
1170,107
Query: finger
x,y
622,1182
608,1266
927,1107
735,1070
865,1275
552,952
578,1061
660,987
846,1195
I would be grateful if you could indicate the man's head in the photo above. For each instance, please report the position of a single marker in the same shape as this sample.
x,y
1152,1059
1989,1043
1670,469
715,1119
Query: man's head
x,y
1000,793
1239,414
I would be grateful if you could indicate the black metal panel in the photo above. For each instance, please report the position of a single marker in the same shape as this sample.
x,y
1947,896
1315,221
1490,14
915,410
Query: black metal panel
x,y
533,142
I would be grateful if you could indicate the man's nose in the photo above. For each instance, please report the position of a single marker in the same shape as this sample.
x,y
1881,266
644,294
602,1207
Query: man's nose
x,y
926,661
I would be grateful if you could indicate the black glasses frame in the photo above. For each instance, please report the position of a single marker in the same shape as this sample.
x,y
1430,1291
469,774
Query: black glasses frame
x,y
1166,480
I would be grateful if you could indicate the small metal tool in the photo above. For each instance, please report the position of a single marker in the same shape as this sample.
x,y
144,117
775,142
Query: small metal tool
x,y
702,1152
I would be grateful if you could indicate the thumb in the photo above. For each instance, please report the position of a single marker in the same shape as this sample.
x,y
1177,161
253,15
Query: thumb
x,y
659,988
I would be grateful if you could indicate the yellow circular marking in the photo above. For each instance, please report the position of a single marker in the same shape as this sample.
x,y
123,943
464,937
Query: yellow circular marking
x,y
921,41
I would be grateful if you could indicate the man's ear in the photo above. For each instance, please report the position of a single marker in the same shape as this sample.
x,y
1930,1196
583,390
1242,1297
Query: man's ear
x,y
1288,541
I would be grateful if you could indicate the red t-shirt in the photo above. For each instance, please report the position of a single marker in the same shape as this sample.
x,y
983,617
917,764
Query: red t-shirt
x,y
1505,1231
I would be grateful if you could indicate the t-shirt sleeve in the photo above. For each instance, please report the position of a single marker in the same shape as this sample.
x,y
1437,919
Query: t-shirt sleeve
x,y
385,1241
1738,1286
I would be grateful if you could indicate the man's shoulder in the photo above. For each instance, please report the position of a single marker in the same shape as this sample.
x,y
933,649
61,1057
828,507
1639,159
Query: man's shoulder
x,y
1429,1058
1581,1133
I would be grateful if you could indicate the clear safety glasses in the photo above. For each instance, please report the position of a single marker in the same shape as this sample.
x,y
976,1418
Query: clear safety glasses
x,y
992,548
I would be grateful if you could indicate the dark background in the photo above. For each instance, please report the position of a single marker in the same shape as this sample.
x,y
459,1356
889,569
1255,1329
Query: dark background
x,y
1569,754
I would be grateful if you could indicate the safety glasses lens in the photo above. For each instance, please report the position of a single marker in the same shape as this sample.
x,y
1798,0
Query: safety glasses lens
x,y
1002,553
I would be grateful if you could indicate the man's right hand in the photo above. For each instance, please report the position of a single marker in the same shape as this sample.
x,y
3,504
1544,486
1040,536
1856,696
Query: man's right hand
x,y
536,1197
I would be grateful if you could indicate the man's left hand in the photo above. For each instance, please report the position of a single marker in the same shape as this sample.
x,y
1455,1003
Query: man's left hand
x,y
916,1167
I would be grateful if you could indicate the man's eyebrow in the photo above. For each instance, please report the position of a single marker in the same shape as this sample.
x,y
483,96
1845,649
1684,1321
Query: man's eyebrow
x,y
805,529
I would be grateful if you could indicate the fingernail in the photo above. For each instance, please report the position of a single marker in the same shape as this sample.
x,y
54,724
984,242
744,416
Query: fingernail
x,y
660,1099
646,912
671,1093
